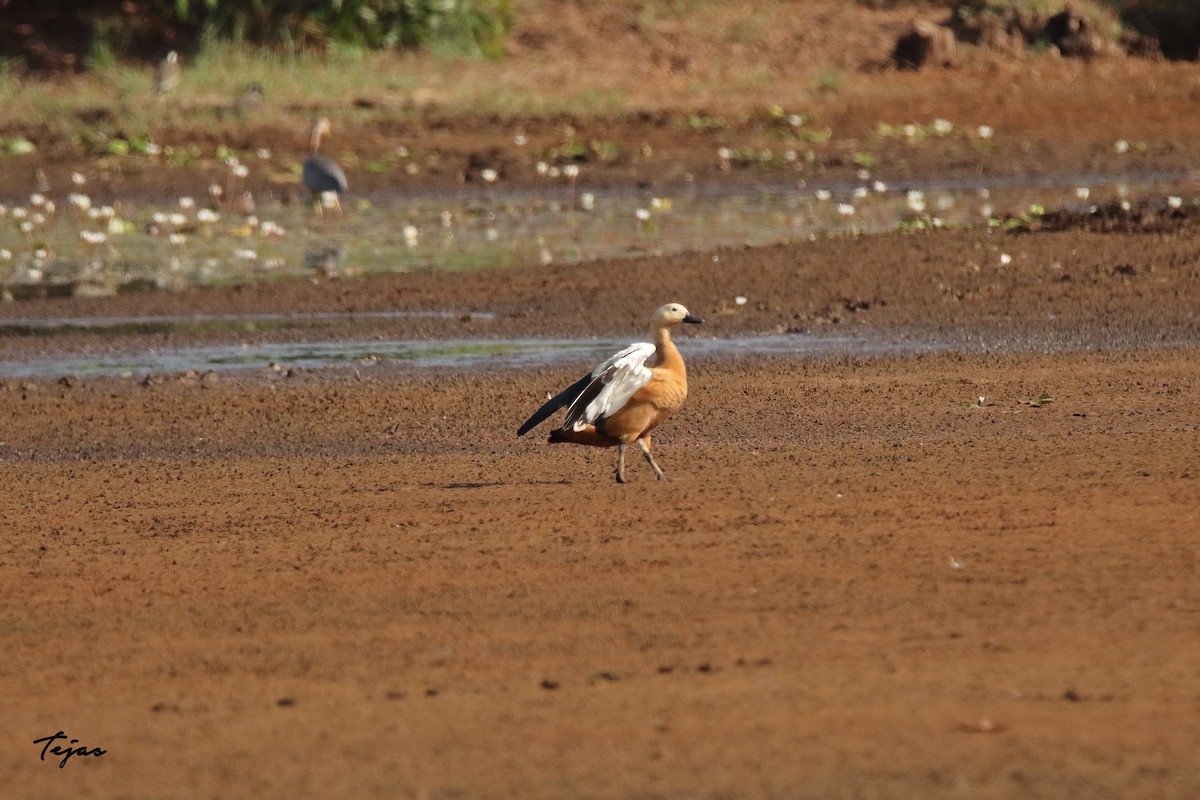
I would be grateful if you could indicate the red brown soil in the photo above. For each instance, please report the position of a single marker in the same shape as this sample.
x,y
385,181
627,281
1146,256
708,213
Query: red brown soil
x,y
862,581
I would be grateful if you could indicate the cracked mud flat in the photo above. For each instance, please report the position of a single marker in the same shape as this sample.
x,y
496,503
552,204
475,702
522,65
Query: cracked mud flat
x,y
863,581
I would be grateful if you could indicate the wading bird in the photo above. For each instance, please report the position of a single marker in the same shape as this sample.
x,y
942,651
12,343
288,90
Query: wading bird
x,y
323,176
625,398
166,73
249,99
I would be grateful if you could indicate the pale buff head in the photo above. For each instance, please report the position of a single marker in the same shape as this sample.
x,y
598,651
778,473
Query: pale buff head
x,y
672,314
322,128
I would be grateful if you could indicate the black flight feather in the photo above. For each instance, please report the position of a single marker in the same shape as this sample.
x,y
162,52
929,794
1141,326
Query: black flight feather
x,y
565,397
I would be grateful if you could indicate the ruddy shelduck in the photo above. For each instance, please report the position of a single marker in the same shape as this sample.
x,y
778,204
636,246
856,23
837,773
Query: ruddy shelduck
x,y
625,398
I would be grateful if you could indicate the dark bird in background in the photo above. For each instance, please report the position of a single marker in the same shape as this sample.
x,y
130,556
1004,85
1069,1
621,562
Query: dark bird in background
x,y
321,174
624,399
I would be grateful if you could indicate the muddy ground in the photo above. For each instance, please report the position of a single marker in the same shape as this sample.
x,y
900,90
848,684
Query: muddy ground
x,y
969,572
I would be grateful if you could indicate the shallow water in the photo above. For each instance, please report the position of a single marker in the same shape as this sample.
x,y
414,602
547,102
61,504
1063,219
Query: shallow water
x,y
279,357
165,321
139,246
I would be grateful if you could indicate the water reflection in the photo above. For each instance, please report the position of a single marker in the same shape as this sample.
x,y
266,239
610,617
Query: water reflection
x,y
48,249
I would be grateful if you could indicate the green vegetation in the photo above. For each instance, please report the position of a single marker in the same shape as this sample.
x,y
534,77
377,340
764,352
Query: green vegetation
x,y
101,33
459,26
830,80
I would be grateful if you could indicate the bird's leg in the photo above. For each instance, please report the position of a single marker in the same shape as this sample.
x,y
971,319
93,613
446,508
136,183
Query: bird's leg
x,y
621,463
337,203
658,473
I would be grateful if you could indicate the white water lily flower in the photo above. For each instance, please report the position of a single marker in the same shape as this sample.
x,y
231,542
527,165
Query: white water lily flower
x,y
93,238
985,131
587,201
489,175
571,171
1005,259
1120,147
187,203
207,216
845,209
78,179
1174,202
643,214
822,194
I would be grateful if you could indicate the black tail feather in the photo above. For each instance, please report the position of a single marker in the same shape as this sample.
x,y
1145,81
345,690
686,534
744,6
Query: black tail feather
x,y
563,398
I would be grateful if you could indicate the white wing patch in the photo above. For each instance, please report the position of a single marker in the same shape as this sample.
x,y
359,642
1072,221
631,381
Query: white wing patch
x,y
613,383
